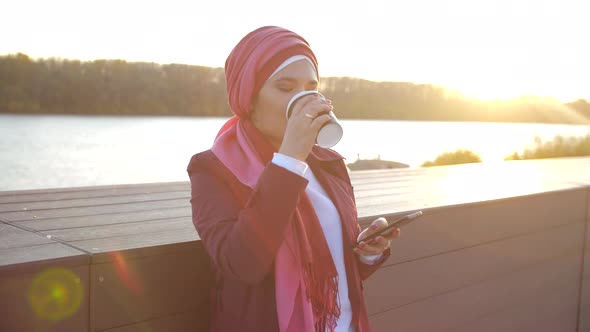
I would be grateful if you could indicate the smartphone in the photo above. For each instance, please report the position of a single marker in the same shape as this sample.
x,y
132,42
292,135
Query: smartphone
x,y
395,224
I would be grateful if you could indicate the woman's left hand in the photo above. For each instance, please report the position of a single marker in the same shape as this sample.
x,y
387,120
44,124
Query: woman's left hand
x,y
381,243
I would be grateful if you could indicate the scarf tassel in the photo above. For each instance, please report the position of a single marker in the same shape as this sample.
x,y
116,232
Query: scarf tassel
x,y
324,299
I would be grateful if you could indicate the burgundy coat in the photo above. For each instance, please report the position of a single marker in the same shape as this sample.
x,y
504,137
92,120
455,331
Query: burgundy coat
x,y
242,230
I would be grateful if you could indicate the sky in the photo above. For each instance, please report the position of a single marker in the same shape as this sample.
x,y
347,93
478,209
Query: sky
x,y
484,49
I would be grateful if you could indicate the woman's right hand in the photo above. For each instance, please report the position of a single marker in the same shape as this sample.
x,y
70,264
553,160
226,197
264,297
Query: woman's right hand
x,y
304,124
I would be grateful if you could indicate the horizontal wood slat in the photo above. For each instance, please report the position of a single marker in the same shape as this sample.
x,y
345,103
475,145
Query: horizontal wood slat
x,y
105,219
125,229
453,228
177,322
402,284
33,258
452,309
147,241
13,237
82,212
88,191
22,250
128,290
548,312
93,201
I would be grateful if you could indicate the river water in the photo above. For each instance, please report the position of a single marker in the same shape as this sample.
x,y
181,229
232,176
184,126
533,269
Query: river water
x,y
51,151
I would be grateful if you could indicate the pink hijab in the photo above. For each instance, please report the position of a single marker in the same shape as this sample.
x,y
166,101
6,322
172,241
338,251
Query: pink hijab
x,y
306,280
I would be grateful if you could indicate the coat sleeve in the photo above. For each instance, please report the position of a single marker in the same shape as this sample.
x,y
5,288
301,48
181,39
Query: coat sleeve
x,y
242,242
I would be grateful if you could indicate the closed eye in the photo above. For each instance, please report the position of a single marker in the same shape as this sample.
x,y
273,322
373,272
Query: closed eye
x,y
287,84
285,88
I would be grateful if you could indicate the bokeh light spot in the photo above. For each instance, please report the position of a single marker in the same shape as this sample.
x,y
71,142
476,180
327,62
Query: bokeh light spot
x,y
55,294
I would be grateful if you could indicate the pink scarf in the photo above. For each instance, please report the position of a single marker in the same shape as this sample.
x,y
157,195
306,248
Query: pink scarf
x,y
306,280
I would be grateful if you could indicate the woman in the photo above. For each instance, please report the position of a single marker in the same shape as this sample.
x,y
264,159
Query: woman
x,y
275,212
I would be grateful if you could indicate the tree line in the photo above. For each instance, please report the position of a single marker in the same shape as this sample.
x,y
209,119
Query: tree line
x,y
118,87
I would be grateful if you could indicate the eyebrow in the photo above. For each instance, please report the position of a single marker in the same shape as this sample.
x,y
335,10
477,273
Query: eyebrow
x,y
290,79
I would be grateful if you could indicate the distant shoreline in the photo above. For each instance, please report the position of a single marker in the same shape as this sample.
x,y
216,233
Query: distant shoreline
x,y
118,87
227,117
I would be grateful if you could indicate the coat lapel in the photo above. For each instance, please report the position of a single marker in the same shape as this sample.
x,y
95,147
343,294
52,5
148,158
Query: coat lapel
x,y
333,177
324,166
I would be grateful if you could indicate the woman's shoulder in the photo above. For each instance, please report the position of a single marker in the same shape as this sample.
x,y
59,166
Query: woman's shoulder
x,y
329,160
206,170
325,154
205,167
202,161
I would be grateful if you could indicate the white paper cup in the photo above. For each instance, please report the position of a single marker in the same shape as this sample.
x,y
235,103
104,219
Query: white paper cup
x,y
330,133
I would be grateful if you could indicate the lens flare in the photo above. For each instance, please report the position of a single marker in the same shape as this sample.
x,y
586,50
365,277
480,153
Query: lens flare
x,y
55,294
126,274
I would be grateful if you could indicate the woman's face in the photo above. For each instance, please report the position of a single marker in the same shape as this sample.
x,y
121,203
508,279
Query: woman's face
x,y
268,113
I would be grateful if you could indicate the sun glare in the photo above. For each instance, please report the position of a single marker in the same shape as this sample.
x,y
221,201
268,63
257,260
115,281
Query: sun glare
x,y
507,89
485,50
481,182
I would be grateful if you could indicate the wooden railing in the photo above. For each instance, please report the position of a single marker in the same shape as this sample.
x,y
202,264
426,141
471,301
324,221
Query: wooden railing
x,y
501,247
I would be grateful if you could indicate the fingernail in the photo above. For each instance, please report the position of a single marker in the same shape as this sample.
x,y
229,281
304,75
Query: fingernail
x,y
362,245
